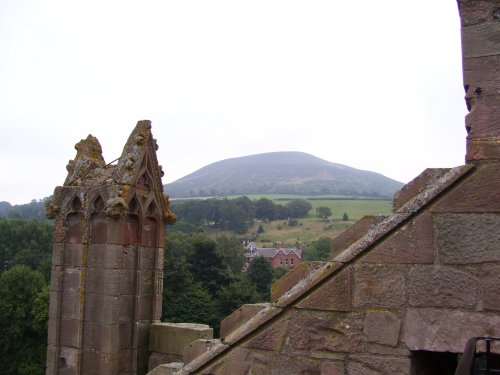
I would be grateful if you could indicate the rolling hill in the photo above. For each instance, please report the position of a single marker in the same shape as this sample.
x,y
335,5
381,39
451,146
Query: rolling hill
x,y
281,173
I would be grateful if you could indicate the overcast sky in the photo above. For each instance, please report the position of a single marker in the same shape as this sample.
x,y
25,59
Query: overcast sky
x,y
376,85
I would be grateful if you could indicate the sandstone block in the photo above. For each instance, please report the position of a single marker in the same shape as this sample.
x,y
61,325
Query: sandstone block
x,y
126,310
475,12
468,238
105,256
375,365
272,337
231,322
416,186
292,277
73,255
481,120
446,330
334,295
99,229
68,333
332,368
71,279
130,257
353,233
489,286
145,306
126,335
101,308
57,254
68,360
174,337
382,327
481,72
70,309
326,331
478,193
286,365
481,40
482,149
56,278
75,228
441,286
411,243
147,258
146,281
379,285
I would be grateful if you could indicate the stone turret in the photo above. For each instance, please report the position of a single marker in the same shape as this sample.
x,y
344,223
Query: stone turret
x,y
481,71
107,261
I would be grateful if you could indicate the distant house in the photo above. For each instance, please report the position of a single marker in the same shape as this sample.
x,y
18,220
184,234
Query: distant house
x,y
279,257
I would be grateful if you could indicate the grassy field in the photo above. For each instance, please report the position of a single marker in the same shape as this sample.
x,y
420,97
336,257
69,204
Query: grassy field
x,y
311,228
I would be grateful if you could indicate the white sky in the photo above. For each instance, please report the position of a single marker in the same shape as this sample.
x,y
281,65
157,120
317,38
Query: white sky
x,y
375,85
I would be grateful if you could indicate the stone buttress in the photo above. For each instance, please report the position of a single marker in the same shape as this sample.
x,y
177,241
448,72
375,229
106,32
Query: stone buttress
x,y
107,260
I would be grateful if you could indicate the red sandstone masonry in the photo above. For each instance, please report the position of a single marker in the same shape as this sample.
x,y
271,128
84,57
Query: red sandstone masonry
x,y
104,292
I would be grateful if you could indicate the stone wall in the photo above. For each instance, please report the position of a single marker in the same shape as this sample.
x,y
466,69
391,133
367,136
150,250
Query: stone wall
x,y
403,297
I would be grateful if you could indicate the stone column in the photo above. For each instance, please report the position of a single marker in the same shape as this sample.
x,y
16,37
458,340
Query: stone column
x,y
107,265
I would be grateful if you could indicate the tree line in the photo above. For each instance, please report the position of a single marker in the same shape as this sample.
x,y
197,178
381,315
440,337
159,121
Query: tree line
x,y
237,214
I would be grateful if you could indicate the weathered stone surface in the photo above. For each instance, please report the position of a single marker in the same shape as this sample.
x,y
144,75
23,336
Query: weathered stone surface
x,y
286,365
481,121
382,327
416,186
489,296
481,40
101,308
482,149
441,286
333,295
172,338
468,238
478,192
105,256
271,338
239,317
475,12
238,361
327,331
292,277
353,233
332,368
379,285
263,316
197,348
72,255
481,72
446,330
375,365
411,243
